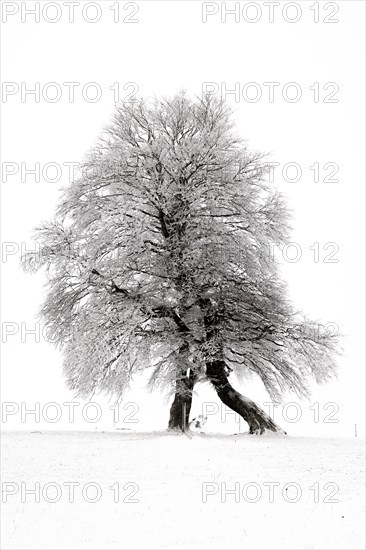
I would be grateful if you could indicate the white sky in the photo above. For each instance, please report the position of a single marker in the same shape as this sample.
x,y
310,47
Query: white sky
x,y
168,49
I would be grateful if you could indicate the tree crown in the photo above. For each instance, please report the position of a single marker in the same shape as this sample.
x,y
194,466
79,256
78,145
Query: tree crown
x,y
159,256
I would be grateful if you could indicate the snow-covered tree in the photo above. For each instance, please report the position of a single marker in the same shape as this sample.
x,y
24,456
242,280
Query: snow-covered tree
x,y
159,258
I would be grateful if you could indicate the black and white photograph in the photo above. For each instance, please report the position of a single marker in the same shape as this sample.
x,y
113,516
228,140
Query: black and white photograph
x,y
183,275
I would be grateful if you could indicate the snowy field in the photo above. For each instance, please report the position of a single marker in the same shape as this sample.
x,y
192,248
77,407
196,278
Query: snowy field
x,y
161,490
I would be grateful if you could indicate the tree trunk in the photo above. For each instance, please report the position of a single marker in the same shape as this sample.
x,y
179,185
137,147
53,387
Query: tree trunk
x,y
181,406
256,418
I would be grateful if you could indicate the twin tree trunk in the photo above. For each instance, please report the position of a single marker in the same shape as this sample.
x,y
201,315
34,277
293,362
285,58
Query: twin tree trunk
x,y
217,373
257,420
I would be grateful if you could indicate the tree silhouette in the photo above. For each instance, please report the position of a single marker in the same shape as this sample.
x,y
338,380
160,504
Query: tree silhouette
x,y
159,258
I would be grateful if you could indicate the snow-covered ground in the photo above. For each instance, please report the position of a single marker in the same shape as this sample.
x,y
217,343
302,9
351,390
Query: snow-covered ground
x,y
160,490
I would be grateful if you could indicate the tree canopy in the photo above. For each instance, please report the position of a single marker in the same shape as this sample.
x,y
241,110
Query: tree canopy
x,y
159,258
